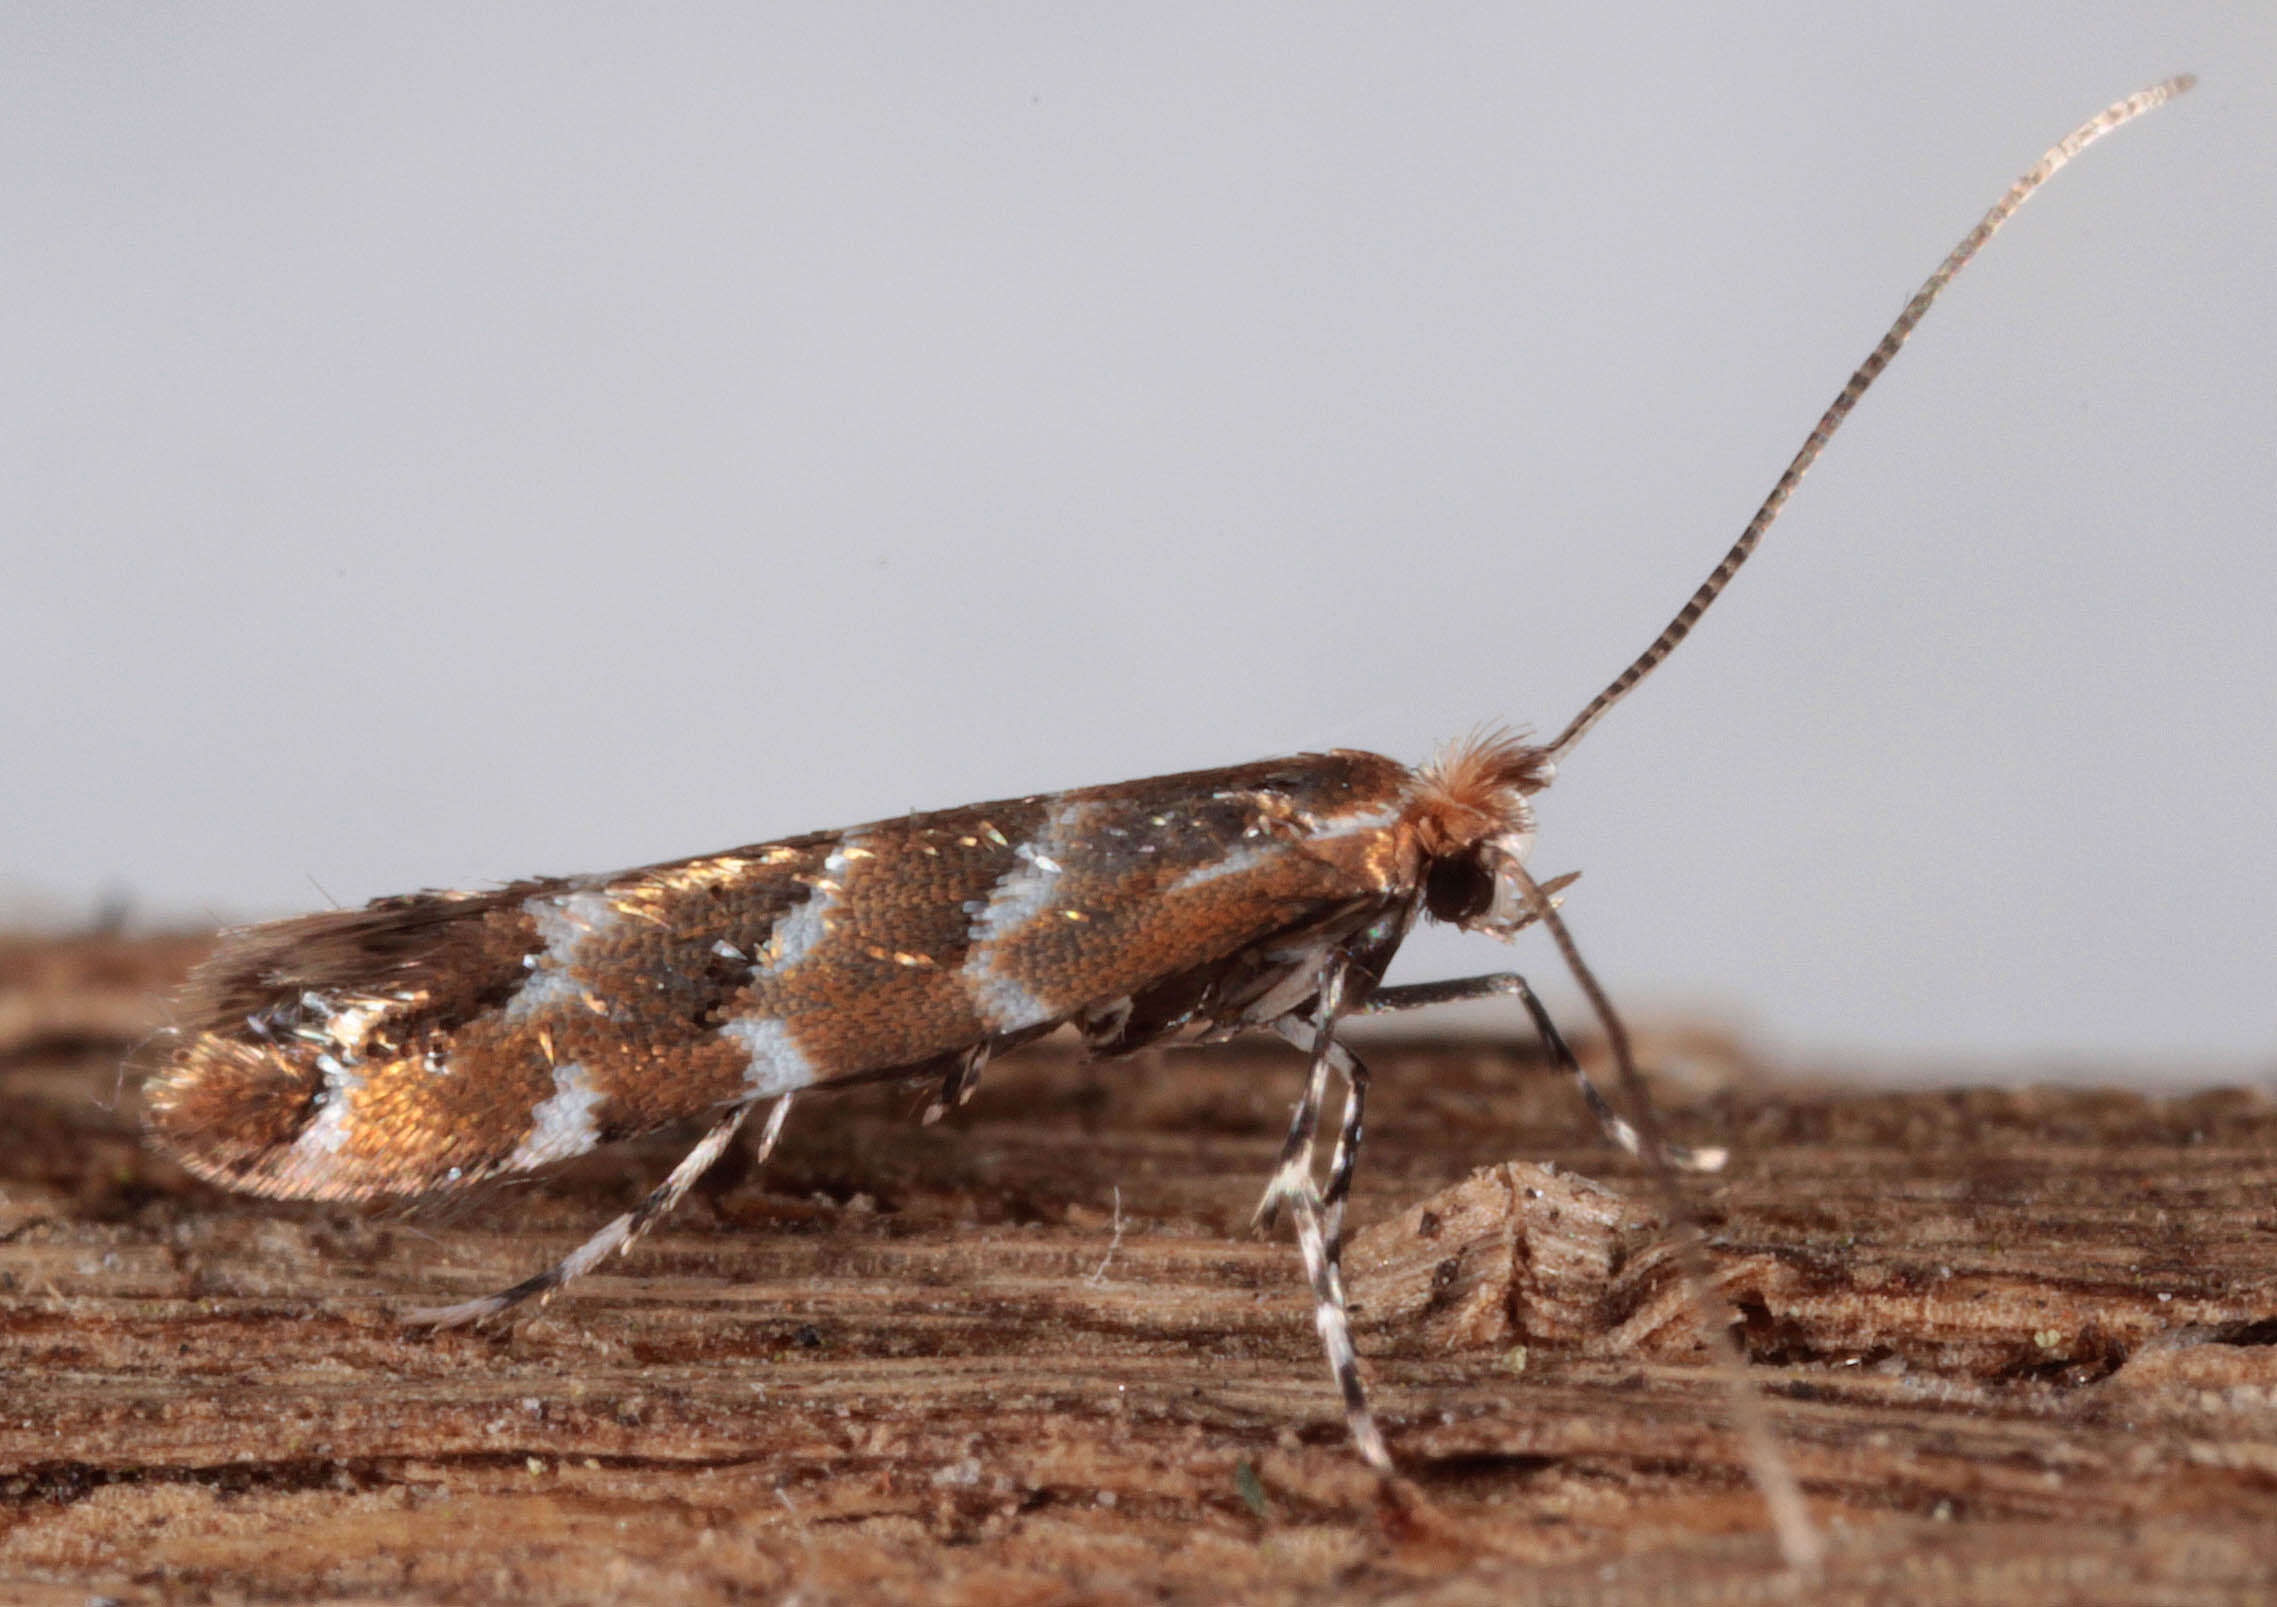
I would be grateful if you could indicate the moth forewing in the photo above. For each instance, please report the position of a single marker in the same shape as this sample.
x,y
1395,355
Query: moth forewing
x,y
433,1040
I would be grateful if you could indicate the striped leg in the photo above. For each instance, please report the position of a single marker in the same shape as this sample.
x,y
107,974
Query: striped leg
x,y
1508,984
620,1235
1304,1032
1346,1156
1313,1033
1319,1224
1335,1326
1293,1171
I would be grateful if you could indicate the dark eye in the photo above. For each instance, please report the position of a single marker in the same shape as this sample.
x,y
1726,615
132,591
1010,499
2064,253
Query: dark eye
x,y
1457,889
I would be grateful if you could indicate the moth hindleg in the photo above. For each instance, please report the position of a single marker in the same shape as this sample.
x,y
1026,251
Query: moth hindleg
x,y
621,1234
958,1084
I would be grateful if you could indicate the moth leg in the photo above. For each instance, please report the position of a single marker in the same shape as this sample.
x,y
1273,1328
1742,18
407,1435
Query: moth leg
x,y
1346,1156
619,1235
1335,1326
1319,1224
1508,984
958,1085
1304,1032
1294,1169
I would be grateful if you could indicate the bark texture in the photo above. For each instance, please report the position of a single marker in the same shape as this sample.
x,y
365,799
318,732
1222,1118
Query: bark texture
x,y
2019,1346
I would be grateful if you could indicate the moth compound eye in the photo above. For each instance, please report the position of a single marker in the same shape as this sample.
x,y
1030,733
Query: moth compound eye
x,y
1458,889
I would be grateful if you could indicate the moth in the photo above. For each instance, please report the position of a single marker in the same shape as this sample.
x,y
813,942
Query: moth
x,y
439,1039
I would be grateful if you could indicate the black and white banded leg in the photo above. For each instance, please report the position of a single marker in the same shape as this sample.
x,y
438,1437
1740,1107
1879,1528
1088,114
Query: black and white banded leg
x,y
1509,984
1304,1031
1319,1231
1319,1215
1334,1324
1294,1168
620,1235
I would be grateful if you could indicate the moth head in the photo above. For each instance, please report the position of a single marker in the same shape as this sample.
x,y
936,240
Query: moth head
x,y
1475,825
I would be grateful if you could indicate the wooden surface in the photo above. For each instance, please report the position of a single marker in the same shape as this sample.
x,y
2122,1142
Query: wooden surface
x,y
2019,1347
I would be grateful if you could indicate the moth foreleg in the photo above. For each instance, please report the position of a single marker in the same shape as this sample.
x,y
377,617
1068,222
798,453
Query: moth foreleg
x,y
1509,984
620,1235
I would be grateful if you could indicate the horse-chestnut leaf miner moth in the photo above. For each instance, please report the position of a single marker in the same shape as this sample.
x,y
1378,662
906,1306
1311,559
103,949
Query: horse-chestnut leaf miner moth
x,y
438,1039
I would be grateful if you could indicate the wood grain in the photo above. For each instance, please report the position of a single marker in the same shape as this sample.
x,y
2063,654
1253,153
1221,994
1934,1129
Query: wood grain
x,y
2020,1347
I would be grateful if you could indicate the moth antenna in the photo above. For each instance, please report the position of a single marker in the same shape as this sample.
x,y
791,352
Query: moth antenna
x,y
1799,1540
1677,629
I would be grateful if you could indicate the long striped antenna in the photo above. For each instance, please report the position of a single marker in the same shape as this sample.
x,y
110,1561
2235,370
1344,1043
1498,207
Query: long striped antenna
x,y
2078,140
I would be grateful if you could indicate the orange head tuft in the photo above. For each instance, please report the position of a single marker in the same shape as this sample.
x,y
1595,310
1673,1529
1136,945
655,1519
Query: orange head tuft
x,y
1476,789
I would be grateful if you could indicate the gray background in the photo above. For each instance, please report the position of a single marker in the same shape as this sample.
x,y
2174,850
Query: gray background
x,y
446,444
